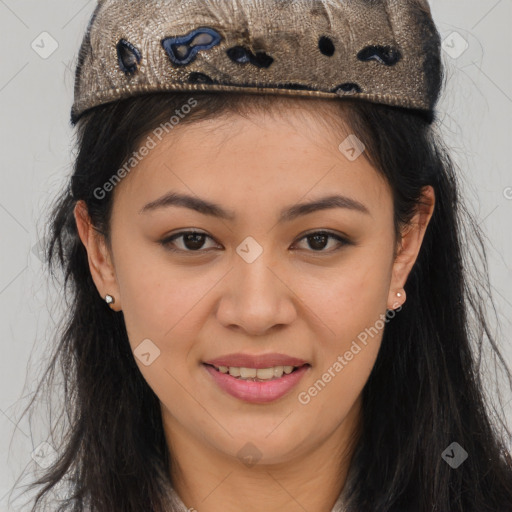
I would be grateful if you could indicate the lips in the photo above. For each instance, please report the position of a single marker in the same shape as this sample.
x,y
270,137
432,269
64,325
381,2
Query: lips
x,y
256,361
254,391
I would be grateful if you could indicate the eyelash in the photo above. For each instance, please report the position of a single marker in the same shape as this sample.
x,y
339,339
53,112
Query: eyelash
x,y
166,242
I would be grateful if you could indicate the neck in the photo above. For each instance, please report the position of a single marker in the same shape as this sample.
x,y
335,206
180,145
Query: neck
x,y
209,480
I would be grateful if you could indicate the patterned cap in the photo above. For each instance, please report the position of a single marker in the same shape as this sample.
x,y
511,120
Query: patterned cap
x,y
382,51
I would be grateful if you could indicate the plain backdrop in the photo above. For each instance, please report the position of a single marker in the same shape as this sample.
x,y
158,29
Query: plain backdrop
x,y
40,42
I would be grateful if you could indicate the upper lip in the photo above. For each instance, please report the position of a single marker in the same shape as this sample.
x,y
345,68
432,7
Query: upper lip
x,y
257,361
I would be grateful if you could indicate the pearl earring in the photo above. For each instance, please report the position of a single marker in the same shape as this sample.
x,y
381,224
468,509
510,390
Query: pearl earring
x,y
398,294
109,299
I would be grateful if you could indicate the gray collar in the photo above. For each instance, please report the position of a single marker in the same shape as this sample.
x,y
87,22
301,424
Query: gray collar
x,y
175,504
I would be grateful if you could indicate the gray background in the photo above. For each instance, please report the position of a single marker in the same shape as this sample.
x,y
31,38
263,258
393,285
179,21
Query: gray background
x,y
36,88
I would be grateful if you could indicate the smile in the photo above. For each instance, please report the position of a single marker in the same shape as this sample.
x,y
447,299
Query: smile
x,y
256,374
257,385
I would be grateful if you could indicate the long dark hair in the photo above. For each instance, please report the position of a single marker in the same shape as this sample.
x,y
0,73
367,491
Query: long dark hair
x,y
425,391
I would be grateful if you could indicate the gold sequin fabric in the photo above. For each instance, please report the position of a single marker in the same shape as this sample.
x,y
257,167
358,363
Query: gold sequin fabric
x,y
383,51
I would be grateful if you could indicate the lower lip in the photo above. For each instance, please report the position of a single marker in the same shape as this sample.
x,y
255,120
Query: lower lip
x,y
257,392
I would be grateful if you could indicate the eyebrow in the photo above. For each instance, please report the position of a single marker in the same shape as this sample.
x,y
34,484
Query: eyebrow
x,y
287,214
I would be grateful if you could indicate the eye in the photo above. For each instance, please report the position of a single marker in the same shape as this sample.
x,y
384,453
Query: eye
x,y
318,240
192,241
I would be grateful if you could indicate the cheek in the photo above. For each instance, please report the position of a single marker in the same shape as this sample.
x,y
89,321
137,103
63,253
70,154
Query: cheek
x,y
348,299
350,306
158,296
167,304
163,314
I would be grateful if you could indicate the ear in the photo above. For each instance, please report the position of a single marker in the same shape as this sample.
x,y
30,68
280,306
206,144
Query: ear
x,y
99,256
409,248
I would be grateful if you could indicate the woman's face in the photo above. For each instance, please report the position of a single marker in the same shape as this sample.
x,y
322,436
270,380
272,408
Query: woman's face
x,y
295,259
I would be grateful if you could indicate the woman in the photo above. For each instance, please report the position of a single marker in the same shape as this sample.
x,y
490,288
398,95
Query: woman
x,y
270,303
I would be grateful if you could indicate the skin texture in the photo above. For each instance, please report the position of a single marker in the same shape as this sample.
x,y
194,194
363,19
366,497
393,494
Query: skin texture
x,y
299,297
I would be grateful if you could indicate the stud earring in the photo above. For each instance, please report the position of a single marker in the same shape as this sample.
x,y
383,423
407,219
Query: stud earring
x,y
399,304
109,299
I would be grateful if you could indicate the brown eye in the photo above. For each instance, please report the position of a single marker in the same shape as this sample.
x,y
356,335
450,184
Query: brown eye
x,y
319,240
192,241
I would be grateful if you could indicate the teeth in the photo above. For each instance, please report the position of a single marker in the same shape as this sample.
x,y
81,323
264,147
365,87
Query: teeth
x,y
266,373
276,372
246,373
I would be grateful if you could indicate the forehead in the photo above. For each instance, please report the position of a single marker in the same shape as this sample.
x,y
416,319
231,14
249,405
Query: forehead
x,y
281,153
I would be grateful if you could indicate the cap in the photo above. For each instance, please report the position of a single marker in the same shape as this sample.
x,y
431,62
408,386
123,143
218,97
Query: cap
x,y
382,51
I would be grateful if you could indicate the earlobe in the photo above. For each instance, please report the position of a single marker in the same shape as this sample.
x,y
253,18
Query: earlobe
x,y
98,255
397,300
410,245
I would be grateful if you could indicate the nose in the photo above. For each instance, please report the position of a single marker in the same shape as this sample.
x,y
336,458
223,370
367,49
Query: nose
x,y
256,298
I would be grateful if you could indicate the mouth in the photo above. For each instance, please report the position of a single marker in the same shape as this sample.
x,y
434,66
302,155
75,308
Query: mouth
x,y
256,374
256,385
